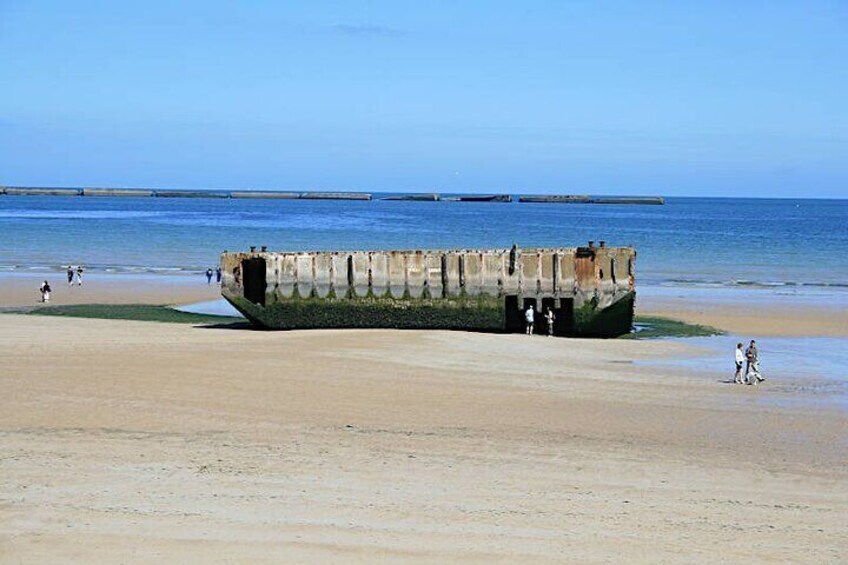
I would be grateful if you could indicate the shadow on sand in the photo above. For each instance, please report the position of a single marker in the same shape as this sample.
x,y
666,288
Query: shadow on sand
x,y
230,326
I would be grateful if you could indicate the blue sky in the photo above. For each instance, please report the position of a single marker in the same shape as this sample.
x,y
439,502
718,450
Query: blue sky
x,y
676,98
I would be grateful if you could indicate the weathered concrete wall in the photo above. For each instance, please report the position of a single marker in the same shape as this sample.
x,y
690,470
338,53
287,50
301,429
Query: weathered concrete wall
x,y
536,272
591,279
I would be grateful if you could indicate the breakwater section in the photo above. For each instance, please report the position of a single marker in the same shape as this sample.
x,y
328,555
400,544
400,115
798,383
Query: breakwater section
x,y
151,193
586,199
312,195
589,289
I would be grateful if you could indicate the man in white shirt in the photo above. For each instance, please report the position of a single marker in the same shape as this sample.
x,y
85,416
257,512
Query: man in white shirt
x,y
740,360
529,317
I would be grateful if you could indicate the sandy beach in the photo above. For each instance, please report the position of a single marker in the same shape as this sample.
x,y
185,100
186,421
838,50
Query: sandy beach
x,y
20,290
138,441
762,312
490,283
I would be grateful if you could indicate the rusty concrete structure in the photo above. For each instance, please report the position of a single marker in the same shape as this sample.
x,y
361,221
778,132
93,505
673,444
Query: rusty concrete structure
x,y
591,289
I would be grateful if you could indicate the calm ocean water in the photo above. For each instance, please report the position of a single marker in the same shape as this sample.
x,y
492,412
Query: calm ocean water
x,y
700,241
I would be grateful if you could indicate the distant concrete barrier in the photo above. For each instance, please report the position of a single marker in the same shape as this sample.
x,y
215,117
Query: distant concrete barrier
x,y
557,199
312,195
485,198
32,191
585,199
256,194
650,200
432,197
335,196
122,192
190,194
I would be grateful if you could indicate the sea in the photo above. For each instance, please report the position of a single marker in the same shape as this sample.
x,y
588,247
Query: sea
x,y
717,250
727,242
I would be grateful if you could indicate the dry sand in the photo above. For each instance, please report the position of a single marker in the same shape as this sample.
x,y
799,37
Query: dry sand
x,y
141,442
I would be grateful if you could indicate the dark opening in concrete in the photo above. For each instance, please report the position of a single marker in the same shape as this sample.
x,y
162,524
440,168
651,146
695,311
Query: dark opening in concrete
x,y
514,319
254,280
564,324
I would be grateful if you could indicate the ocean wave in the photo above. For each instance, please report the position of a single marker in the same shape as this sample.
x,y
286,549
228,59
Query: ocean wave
x,y
736,283
317,222
79,214
110,269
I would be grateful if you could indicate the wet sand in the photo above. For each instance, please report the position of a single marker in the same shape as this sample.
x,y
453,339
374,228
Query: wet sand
x,y
752,312
143,442
756,321
20,290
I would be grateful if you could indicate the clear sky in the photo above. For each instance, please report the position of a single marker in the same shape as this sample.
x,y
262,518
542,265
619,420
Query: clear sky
x,y
677,98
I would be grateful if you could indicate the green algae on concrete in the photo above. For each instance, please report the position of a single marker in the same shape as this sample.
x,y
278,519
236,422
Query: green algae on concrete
x,y
657,327
612,321
470,313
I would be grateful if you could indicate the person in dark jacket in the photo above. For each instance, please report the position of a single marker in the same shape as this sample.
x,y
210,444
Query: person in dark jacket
x,y
45,291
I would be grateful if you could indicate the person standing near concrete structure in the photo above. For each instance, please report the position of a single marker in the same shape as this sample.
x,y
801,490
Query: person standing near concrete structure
x,y
740,359
529,318
218,275
79,275
209,276
549,321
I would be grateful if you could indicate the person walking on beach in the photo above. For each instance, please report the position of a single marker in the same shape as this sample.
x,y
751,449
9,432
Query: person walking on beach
x,y
70,276
752,368
740,359
79,275
529,318
218,275
208,276
549,320
45,291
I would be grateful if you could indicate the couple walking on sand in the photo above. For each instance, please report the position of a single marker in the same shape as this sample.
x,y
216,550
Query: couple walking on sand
x,y
217,275
750,357
71,275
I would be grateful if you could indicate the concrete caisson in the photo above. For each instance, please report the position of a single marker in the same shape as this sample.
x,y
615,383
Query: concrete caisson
x,y
591,289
